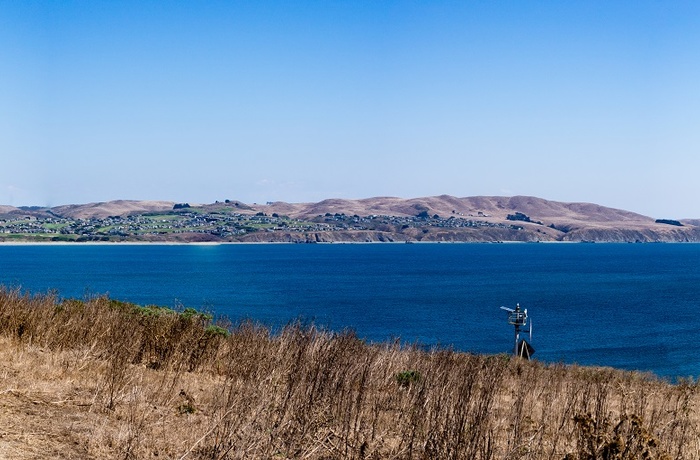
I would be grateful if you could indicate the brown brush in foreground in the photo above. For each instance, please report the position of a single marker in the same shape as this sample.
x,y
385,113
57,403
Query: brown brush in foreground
x,y
104,379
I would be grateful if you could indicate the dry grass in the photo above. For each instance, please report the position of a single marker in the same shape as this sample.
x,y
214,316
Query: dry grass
x,y
108,380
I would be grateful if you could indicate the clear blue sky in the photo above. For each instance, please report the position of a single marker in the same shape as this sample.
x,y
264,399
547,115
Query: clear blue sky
x,y
595,101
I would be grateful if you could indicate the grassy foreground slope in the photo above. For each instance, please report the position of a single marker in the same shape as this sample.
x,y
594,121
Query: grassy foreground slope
x,y
107,380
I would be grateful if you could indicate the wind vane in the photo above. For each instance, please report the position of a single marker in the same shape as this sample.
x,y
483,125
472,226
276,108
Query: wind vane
x,y
518,319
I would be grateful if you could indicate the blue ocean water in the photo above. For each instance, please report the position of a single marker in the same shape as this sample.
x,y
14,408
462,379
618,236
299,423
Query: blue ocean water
x,y
631,306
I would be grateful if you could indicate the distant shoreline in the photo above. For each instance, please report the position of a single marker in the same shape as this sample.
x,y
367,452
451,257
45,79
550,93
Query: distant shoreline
x,y
323,243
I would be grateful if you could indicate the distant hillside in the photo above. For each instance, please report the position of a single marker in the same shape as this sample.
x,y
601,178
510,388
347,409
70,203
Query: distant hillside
x,y
542,220
439,218
111,208
445,205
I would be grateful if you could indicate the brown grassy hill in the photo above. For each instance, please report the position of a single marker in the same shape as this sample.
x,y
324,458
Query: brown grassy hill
x,y
518,218
11,212
494,207
111,208
7,209
540,219
444,205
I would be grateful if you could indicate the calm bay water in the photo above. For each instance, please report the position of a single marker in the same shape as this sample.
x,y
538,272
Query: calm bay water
x,y
632,306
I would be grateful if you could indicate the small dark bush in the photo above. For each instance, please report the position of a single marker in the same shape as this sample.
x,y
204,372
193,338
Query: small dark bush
x,y
214,330
669,222
406,378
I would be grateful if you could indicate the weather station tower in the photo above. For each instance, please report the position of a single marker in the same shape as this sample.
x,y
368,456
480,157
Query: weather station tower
x,y
519,320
